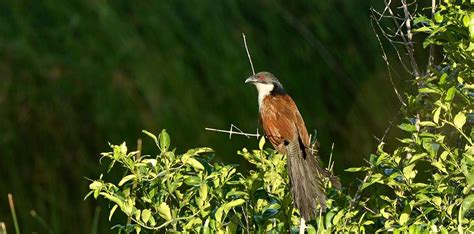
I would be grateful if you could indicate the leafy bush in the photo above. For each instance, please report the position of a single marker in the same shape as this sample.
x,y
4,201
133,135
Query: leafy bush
x,y
185,192
424,184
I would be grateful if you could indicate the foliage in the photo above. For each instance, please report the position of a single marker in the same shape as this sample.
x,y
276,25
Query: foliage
x,y
74,73
423,184
427,181
186,192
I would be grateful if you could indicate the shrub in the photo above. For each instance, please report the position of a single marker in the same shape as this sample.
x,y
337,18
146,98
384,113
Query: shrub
x,y
187,192
424,184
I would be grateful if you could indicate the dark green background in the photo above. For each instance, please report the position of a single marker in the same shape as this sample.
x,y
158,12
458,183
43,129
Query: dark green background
x,y
75,75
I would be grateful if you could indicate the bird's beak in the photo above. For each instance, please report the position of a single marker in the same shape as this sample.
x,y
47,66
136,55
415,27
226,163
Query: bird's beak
x,y
251,79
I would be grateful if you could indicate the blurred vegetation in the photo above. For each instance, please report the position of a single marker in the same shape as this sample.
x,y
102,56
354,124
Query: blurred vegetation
x,y
423,185
74,74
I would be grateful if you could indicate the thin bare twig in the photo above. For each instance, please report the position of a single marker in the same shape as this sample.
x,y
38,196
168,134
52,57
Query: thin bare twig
x,y
431,55
407,41
391,41
232,132
248,53
385,58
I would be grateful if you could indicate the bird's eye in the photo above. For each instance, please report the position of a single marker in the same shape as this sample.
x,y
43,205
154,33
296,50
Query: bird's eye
x,y
260,77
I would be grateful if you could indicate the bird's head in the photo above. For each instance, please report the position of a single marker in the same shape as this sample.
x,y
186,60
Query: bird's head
x,y
265,82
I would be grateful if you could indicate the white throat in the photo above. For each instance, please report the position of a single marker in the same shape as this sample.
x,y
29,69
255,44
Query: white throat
x,y
263,91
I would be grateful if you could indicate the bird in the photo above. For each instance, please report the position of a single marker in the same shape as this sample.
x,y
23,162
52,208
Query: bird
x,y
285,128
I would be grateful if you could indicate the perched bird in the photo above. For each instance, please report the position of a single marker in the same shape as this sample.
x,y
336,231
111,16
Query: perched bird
x,y
286,130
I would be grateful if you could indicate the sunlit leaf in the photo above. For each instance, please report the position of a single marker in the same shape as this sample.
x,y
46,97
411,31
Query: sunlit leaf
x,y
440,166
261,143
450,94
437,201
438,17
146,214
405,216
95,185
436,115
338,217
233,204
356,169
164,139
164,211
195,163
126,178
192,180
112,211
407,127
460,120
152,136
467,204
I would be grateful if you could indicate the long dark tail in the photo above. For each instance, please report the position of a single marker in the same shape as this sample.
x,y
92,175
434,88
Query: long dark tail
x,y
306,177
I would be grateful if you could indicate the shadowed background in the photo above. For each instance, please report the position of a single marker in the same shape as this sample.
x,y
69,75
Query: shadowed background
x,y
75,75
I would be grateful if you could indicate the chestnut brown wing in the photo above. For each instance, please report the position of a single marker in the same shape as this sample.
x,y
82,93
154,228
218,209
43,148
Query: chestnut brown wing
x,y
282,121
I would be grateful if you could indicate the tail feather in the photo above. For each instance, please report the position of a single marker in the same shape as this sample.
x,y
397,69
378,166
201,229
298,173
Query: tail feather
x,y
306,177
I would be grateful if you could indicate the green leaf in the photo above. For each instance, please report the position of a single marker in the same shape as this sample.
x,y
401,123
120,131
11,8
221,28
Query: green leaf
x,y
436,201
152,221
428,90
338,217
407,127
450,94
203,190
466,20
416,157
384,213
95,185
138,214
112,211
146,214
192,180
440,166
427,124
405,216
232,204
442,79
193,222
408,171
421,19
270,212
460,120
236,193
219,213
328,219
152,136
197,151
436,115
125,179
128,206
261,143
310,229
195,164
123,148
356,169
117,200
438,17
164,140
467,204
164,211
423,29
